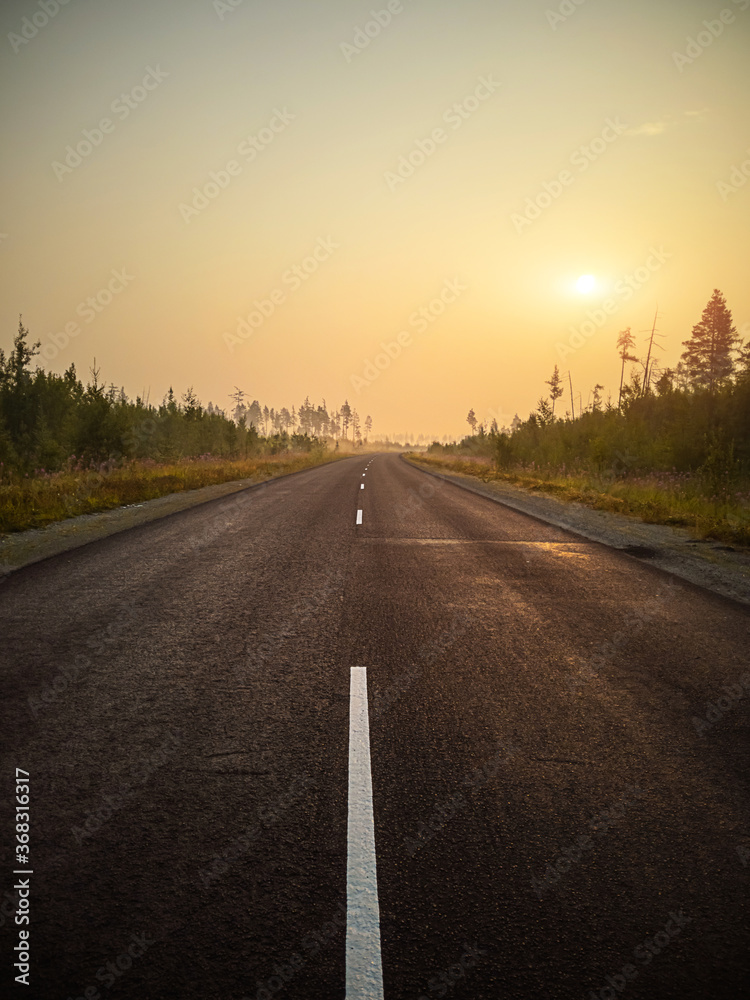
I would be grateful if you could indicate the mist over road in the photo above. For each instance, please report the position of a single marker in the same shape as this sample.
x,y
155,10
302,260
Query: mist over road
x,y
558,737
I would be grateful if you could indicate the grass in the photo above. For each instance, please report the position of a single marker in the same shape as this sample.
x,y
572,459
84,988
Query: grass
x,y
680,499
49,497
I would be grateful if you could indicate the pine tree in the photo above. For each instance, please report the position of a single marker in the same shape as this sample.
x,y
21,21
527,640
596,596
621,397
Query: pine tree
x,y
254,415
555,387
743,362
708,354
665,382
192,405
346,416
239,405
544,415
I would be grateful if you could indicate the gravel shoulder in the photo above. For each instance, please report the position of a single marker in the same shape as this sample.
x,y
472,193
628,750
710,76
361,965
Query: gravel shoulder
x,y
717,567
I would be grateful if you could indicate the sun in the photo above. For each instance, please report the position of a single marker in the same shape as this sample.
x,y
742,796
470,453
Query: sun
x,y
586,283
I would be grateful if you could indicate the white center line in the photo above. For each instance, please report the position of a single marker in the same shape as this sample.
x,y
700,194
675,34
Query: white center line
x,y
359,517
364,971
362,486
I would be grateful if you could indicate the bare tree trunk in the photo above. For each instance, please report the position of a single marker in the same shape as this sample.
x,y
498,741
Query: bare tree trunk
x,y
647,373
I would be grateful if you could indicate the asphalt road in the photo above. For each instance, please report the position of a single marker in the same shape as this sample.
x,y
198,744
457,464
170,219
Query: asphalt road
x,y
558,738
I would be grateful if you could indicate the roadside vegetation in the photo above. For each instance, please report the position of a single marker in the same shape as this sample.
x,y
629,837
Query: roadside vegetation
x,y
43,499
69,448
673,448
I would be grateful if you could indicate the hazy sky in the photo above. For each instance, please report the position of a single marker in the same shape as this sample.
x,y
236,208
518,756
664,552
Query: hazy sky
x,y
339,171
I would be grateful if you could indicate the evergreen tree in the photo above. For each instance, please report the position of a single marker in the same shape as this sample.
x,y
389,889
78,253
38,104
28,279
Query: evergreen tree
x,y
16,404
255,415
346,416
555,387
544,414
191,404
708,354
665,382
743,363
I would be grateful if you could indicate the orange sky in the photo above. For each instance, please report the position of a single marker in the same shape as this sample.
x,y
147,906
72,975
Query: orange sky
x,y
306,199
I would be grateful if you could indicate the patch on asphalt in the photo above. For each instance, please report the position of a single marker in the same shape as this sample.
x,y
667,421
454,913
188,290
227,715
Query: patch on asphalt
x,y
642,551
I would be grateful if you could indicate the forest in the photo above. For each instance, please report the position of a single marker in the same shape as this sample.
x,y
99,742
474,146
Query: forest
x,y
669,444
51,423
69,447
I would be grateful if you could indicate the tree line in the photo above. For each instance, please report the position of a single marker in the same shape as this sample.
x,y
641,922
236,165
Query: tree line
x,y
308,418
694,417
52,422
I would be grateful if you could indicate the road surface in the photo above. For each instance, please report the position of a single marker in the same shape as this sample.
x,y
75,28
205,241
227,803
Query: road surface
x,y
558,754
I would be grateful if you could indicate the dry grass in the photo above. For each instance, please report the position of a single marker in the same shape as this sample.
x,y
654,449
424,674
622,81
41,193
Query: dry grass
x,y
35,502
666,498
